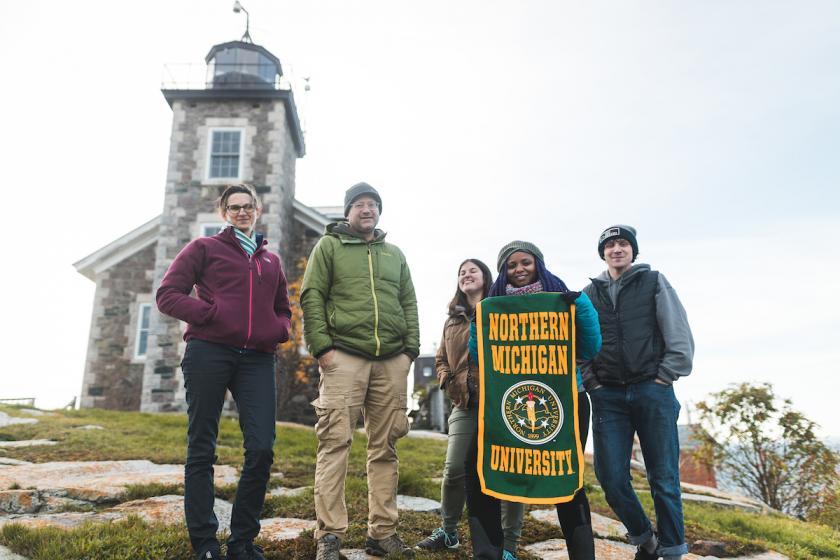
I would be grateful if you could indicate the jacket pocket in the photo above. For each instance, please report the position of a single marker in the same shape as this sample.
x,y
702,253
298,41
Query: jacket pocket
x,y
333,424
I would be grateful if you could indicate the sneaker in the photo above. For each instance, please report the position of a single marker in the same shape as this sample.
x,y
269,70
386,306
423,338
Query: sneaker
x,y
250,552
508,555
391,545
440,540
328,548
213,552
642,554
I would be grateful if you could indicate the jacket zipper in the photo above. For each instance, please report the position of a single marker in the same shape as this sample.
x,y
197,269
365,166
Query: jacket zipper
x,y
251,260
617,316
250,302
375,302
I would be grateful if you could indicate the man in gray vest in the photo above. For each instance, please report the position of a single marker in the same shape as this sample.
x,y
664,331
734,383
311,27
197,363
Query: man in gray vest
x,y
647,345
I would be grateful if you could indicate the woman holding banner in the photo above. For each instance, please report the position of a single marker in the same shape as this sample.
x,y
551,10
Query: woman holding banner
x,y
457,376
522,271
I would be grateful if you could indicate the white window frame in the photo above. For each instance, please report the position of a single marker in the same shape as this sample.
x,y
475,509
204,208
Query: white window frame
x,y
138,325
209,160
202,227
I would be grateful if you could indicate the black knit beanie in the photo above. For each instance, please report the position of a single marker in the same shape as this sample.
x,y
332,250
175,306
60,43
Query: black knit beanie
x,y
618,232
513,247
358,190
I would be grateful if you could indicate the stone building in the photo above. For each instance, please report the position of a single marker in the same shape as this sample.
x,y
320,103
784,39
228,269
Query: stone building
x,y
692,469
238,125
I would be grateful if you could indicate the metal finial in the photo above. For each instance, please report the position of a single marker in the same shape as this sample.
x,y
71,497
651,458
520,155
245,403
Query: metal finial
x,y
237,7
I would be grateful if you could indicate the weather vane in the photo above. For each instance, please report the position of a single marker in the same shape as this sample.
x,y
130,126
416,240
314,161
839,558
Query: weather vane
x,y
237,7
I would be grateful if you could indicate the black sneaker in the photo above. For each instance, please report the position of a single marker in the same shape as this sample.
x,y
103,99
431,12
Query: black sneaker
x,y
250,552
213,552
329,547
439,540
642,554
390,545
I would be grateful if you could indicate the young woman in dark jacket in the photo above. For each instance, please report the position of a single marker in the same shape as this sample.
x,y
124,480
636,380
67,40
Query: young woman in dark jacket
x,y
457,375
522,271
239,315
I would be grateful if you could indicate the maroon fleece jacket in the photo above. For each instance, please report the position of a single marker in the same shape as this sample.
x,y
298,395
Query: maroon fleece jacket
x,y
240,301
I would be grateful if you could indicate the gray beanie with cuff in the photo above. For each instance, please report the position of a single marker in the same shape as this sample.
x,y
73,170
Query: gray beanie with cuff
x,y
358,190
513,247
618,232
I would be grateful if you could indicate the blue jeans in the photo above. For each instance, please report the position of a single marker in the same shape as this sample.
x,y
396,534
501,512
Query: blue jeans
x,y
649,409
210,370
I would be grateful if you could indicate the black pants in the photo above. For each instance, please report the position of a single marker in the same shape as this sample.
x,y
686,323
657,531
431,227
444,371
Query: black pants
x,y
209,370
485,511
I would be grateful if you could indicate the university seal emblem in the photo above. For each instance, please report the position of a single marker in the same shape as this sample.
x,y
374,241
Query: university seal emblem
x,y
532,412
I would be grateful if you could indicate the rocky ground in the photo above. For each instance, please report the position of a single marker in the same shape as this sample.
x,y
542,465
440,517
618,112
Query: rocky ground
x,y
40,494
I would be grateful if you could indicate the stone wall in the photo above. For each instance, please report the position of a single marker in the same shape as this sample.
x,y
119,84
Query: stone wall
x,y
268,162
113,378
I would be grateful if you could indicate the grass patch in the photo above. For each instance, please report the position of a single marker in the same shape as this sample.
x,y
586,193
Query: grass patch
x,y
301,506
161,438
143,491
131,539
797,539
413,483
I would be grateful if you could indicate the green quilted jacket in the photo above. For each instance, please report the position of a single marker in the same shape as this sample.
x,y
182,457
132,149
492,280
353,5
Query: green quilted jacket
x,y
357,296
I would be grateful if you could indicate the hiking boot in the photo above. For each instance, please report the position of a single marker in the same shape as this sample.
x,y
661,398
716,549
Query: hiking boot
x,y
250,552
328,548
390,545
508,555
439,540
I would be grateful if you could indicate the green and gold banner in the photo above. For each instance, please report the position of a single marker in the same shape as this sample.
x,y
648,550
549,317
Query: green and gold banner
x,y
528,442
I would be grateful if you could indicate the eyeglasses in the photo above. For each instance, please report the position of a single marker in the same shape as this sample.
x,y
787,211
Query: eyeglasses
x,y
369,204
235,208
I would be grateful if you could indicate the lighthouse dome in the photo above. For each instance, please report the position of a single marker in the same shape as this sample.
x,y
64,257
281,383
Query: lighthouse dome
x,y
241,65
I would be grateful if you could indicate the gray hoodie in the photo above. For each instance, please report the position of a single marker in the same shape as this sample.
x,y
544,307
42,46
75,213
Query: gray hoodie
x,y
673,325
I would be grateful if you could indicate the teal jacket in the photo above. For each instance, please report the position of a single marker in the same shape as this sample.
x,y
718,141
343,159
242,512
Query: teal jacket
x,y
357,296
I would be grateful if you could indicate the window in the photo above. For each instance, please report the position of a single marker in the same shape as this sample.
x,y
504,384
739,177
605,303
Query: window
x,y
225,150
209,230
141,343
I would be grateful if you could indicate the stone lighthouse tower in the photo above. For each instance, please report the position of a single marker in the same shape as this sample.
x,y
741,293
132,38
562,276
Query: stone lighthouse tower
x,y
239,126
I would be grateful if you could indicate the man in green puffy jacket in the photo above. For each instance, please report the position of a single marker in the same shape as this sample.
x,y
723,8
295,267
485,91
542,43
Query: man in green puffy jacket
x,y
360,322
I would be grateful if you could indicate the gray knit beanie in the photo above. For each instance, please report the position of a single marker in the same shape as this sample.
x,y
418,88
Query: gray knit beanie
x,y
621,232
513,247
358,190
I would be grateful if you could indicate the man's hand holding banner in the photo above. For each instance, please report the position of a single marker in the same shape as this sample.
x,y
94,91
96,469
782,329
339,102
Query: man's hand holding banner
x,y
528,442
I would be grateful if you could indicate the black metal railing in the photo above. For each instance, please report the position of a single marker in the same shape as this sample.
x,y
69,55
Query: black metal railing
x,y
222,76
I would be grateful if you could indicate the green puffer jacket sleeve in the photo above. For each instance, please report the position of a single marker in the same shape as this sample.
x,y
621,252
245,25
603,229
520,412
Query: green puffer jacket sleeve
x,y
408,301
313,298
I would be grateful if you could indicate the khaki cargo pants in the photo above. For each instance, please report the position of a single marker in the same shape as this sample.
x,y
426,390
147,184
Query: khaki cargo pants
x,y
350,388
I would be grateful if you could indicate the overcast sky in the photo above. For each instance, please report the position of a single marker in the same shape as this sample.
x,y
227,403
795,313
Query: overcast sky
x,y
712,127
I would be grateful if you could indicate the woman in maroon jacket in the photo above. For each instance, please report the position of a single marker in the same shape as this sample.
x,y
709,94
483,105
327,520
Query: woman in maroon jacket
x,y
239,315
